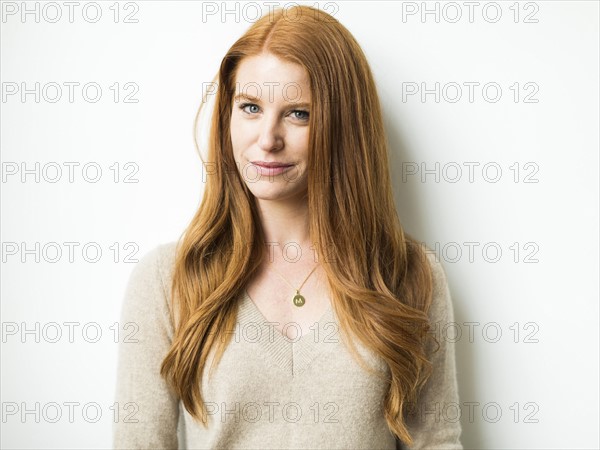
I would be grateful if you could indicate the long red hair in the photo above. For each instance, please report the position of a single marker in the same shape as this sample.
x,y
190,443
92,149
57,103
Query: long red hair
x,y
380,279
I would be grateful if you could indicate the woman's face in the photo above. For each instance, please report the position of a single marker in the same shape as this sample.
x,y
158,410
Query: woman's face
x,y
269,125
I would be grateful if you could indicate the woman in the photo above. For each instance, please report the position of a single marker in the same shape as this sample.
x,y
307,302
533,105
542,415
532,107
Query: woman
x,y
294,312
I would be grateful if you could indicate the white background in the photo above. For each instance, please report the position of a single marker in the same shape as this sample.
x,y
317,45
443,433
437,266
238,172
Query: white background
x,y
540,374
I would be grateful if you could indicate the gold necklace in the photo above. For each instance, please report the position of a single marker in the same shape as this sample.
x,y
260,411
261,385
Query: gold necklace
x,y
298,298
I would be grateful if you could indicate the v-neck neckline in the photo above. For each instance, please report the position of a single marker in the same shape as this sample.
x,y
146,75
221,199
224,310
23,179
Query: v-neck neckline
x,y
293,356
260,317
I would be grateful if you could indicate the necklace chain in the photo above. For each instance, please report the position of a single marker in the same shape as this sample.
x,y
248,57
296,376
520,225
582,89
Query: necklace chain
x,y
298,299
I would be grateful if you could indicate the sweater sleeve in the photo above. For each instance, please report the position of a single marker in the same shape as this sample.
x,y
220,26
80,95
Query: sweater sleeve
x,y
148,408
436,422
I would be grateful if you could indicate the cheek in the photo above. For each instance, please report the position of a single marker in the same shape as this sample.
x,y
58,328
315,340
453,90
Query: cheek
x,y
300,139
240,134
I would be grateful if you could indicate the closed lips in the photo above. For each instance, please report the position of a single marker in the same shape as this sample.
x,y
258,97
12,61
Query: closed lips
x,y
265,164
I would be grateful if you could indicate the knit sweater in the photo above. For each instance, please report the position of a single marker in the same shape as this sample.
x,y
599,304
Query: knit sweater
x,y
270,391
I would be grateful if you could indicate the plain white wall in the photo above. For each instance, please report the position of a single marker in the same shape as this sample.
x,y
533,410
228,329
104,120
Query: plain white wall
x,y
527,348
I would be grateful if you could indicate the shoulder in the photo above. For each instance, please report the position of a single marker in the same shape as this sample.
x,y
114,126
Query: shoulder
x,y
149,285
441,303
159,260
154,269
162,255
438,273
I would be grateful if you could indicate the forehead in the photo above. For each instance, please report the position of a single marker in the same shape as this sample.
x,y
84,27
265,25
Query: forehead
x,y
271,76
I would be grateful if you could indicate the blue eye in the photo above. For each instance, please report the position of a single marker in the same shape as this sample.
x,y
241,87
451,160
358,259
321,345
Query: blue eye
x,y
302,117
243,107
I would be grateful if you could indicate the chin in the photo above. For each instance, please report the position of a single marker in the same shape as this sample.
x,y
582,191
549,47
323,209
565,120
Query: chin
x,y
270,194
279,194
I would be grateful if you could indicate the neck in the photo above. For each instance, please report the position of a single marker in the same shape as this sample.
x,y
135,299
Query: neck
x,y
286,229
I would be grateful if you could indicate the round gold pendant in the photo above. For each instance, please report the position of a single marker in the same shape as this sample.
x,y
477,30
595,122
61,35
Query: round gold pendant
x,y
298,300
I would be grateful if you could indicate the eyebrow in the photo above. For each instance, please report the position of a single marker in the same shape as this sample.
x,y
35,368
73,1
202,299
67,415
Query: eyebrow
x,y
251,98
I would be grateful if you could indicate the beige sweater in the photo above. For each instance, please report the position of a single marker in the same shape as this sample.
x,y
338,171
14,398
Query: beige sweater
x,y
269,391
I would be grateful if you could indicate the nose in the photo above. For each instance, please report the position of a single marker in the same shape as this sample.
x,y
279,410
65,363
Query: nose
x,y
270,137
